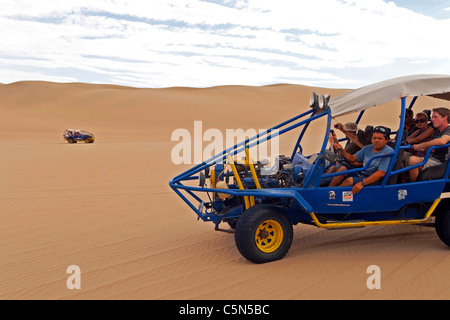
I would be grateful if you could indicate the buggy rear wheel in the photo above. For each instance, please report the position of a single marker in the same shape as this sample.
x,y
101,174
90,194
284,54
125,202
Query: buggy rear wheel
x,y
442,222
263,234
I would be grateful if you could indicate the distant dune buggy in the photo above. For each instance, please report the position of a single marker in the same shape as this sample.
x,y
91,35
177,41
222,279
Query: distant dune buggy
x,y
73,136
263,208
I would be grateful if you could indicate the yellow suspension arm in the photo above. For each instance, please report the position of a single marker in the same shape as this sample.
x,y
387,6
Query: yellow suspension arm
x,y
249,163
375,223
252,168
238,180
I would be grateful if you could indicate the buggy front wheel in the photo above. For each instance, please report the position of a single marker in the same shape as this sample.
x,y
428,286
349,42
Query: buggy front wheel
x,y
263,234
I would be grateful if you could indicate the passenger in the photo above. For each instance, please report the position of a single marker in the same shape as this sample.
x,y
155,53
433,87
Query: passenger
x,y
377,168
409,122
423,132
441,136
350,130
410,126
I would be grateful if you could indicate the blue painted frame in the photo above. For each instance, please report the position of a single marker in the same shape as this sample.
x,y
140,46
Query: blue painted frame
x,y
311,198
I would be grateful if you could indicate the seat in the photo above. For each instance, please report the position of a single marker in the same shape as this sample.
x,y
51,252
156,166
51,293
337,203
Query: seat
x,y
433,173
365,137
428,113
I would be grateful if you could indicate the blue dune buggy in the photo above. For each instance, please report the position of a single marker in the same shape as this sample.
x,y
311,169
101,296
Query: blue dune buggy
x,y
262,208
73,136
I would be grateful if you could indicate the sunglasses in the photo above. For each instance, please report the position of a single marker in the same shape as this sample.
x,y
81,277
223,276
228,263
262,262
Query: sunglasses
x,y
420,120
382,130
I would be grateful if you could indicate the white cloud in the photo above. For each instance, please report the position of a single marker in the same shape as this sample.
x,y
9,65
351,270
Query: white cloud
x,y
202,43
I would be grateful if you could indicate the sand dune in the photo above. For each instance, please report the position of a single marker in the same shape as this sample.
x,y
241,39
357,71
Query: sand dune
x,y
107,207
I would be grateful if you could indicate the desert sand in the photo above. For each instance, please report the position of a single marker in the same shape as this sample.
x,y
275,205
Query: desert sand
x,y
107,207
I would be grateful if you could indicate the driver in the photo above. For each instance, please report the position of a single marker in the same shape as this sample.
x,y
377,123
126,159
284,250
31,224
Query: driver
x,y
350,129
377,168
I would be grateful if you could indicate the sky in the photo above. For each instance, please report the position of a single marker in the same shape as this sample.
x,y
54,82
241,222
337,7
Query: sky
x,y
204,43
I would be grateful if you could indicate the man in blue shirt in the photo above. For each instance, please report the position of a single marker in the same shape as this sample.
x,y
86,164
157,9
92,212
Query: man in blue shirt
x,y
377,168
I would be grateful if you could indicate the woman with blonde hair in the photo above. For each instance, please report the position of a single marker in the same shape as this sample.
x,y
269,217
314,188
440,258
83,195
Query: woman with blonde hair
x,y
423,133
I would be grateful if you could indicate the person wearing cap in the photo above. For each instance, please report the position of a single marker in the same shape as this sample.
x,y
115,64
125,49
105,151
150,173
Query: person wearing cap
x,y
377,168
350,130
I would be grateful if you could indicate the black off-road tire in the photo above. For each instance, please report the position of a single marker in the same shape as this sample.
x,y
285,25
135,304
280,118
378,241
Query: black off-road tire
x,y
442,222
263,234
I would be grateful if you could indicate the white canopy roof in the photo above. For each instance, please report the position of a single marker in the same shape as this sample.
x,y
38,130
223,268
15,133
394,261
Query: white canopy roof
x,y
379,93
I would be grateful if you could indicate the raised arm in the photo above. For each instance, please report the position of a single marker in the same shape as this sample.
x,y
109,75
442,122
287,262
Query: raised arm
x,y
350,157
416,138
424,146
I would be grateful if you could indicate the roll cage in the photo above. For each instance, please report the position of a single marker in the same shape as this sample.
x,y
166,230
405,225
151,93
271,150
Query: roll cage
x,y
308,202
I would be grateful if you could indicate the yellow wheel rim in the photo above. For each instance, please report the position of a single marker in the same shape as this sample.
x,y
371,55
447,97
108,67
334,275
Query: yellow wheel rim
x,y
269,236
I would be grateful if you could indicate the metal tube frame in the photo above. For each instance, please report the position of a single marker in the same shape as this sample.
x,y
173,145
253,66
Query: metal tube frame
x,y
292,193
